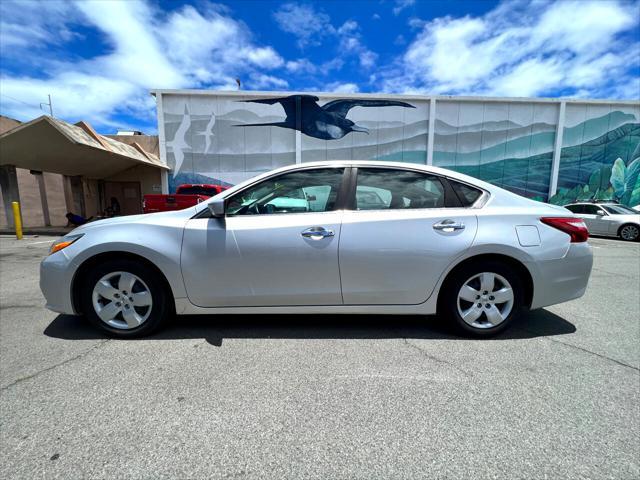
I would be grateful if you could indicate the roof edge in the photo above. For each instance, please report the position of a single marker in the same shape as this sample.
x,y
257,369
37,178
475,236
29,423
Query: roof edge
x,y
262,93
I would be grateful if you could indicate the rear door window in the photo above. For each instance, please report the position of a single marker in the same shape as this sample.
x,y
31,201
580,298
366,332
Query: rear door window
x,y
390,189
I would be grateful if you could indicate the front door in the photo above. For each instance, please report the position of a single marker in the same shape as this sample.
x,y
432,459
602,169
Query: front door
x,y
400,238
276,246
597,224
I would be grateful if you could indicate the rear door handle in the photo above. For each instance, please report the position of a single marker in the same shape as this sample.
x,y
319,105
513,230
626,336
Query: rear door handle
x,y
317,233
448,226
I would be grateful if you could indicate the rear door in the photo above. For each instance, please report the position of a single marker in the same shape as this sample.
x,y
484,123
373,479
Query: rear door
x,y
400,235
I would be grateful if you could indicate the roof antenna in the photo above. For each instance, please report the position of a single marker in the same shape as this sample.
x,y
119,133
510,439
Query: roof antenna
x,y
50,106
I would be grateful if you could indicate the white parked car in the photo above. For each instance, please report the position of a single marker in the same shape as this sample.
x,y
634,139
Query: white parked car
x,y
373,237
608,219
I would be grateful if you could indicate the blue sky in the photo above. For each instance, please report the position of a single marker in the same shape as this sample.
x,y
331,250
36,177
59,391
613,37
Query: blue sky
x,y
99,59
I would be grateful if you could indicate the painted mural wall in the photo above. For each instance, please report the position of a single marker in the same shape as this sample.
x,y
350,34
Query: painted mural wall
x,y
600,154
218,138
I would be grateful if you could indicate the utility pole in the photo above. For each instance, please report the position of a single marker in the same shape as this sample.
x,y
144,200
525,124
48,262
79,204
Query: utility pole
x,y
50,106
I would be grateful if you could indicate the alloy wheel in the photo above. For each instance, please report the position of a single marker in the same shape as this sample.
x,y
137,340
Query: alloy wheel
x,y
485,300
122,300
629,232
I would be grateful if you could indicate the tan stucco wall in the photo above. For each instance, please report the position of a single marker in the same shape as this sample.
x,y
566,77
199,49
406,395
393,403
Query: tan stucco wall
x,y
91,197
7,123
31,204
149,143
29,199
147,176
55,197
3,216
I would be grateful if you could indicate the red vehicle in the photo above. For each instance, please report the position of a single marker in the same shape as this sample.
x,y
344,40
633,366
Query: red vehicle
x,y
186,195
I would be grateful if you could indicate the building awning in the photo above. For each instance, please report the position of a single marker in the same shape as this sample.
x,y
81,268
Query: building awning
x,y
52,145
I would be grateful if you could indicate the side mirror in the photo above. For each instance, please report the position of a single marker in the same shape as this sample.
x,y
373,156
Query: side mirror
x,y
216,207
600,213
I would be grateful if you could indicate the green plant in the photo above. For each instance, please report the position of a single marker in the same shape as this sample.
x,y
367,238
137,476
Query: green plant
x,y
618,182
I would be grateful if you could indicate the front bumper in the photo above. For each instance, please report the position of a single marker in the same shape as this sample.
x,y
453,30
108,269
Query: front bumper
x,y
562,279
55,282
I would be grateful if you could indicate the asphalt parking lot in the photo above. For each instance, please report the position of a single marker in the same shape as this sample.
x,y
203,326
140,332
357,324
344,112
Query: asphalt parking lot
x,y
366,397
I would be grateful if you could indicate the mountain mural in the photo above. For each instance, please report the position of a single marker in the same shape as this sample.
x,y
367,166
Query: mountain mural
x,y
605,168
223,138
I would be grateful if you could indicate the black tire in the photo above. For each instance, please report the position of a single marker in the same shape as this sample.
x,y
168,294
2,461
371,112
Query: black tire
x,y
448,306
160,308
630,227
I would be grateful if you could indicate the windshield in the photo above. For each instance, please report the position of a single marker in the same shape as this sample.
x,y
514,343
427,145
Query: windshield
x,y
619,210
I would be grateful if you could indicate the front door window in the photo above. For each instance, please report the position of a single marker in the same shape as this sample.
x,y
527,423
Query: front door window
x,y
314,190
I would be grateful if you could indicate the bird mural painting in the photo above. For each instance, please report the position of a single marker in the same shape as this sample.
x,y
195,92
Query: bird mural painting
x,y
326,122
178,145
208,133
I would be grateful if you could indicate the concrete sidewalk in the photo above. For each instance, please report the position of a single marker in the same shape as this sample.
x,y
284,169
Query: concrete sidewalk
x,y
44,231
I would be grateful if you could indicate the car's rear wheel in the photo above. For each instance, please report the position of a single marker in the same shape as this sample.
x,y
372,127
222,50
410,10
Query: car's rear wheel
x,y
629,232
482,299
125,298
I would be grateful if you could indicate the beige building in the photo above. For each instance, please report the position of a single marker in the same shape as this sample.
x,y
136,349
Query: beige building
x,y
53,167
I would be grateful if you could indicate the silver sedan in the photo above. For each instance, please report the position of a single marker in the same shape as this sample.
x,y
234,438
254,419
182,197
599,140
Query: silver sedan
x,y
609,219
331,238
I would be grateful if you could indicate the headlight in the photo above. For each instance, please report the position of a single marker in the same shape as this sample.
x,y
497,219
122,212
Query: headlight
x,y
64,242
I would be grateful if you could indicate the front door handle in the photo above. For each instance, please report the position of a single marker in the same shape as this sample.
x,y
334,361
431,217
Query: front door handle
x,y
448,226
317,233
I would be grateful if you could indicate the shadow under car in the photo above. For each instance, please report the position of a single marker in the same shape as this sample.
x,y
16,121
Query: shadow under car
x,y
215,328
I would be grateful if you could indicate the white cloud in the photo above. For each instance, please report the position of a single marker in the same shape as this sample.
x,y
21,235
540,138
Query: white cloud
x,y
416,23
262,81
523,49
50,26
338,87
401,5
146,48
351,44
302,65
303,21
312,27
207,39
74,96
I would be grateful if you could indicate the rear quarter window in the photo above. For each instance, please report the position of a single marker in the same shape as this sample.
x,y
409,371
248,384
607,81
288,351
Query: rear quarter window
x,y
468,195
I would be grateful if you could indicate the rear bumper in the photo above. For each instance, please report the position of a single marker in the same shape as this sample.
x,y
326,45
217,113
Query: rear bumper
x,y
562,279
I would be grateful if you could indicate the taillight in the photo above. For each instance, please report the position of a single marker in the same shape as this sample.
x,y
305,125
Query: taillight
x,y
574,227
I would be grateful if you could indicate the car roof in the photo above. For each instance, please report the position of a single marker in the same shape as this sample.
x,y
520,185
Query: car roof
x,y
382,163
496,194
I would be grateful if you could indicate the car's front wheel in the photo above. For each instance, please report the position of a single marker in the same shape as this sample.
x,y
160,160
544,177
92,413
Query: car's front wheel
x,y
629,232
482,299
125,298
